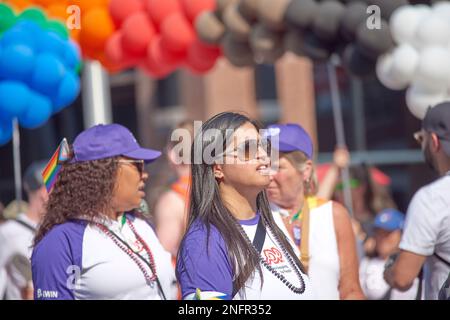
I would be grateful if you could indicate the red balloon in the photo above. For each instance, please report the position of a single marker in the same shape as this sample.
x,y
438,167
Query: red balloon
x,y
137,31
115,54
201,58
159,10
120,10
192,8
177,33
153,64
166,56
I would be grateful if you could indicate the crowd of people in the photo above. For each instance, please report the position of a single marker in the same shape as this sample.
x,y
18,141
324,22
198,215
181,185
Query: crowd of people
x,y
249,219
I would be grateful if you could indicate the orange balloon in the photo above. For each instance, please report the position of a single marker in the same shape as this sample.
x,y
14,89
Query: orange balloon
x,y
57,10
96,27
86,5
46,3
20,5
75,34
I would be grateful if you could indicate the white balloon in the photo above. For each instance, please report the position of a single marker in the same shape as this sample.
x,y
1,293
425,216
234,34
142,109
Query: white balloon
x,y
419,100
432,30
433,70
403,23
385,75
442,9
404,64
405,20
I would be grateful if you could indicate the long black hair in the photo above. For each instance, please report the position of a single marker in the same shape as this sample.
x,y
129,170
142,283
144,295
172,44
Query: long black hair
x,y
207,206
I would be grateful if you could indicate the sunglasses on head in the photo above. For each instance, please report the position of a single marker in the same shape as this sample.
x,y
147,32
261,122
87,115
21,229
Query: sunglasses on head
x,y
248,150
139,164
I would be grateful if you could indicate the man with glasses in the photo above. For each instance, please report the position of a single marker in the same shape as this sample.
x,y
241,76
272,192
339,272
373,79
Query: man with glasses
x,y
426,238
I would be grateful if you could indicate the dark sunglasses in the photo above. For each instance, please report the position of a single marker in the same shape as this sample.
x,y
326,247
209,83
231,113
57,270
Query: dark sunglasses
x,y
248,149
139,164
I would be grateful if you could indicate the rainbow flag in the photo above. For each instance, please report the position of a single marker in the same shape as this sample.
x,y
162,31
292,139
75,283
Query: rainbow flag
x,y
53,166
209,295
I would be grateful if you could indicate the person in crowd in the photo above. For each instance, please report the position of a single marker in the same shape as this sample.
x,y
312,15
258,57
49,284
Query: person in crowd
x,y
16,235
320,231
370,194
426,237
233,248
92,242
171,208
388,227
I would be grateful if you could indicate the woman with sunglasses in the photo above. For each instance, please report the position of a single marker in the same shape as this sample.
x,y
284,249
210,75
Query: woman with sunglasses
x,y
93,243
319,231
233,248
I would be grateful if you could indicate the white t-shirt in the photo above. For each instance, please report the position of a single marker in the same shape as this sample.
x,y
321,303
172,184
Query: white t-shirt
x,y
375,287
76,260
427,231
15,239
209,269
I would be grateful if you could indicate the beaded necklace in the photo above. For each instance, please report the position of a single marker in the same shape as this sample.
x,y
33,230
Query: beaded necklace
x,y
132,254
279,276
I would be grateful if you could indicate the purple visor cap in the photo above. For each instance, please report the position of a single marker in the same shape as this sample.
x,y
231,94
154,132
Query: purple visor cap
x,y
292,137
110,140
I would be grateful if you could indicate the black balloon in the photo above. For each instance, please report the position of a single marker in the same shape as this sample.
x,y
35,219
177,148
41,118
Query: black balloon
x,y
316,48
354,14
236,24
249,9
301,13
267,45
327,21
238,53
293,41
356,63
374,42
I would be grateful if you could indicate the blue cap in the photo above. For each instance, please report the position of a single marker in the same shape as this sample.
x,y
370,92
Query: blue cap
x,y
292,137
389,220
106,141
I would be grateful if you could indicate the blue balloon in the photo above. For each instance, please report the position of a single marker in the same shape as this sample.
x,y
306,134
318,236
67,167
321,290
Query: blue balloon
x,y
47,74
67,92
38,112
14,97
5,132
49,41
72,55
17,36
17,62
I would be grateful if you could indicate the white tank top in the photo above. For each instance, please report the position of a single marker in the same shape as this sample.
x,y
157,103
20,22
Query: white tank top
x,y
324,266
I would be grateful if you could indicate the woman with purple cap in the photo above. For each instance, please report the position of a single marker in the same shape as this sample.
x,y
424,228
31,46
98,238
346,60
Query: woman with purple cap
x,y
319,231
93,243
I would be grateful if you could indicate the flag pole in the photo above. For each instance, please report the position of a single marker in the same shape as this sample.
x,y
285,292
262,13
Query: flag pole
x,y
17,166
339,127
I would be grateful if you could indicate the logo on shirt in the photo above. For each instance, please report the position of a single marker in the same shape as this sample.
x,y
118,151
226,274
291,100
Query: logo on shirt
x,y
46,294
273,255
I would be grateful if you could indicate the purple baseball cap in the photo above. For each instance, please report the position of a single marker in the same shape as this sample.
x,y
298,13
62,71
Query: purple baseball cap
x,y
292,137
109,140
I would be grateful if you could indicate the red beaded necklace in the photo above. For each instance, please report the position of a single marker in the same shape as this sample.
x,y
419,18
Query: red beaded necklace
x,y
132,254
